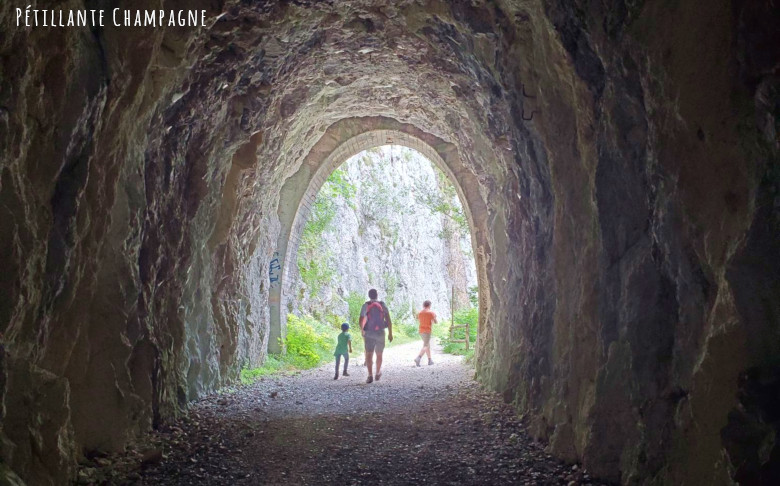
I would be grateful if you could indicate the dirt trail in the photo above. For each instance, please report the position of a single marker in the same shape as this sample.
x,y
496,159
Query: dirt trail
x,y
431,424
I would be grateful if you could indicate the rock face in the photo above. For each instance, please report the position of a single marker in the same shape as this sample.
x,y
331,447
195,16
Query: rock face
x,y
620,162
386,229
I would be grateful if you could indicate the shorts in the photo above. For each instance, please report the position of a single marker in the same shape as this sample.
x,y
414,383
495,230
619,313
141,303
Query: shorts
x,y
426,337
374,341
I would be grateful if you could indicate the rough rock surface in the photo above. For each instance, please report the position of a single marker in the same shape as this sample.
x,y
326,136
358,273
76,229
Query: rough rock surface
x,y
626,153
386,234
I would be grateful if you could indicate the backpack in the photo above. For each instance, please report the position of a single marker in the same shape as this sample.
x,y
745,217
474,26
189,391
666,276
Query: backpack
x,y
375,316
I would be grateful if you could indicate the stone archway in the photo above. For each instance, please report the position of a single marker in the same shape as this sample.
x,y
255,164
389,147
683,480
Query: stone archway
x,y
342,140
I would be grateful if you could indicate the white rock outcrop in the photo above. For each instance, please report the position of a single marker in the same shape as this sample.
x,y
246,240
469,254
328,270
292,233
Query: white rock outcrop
x,y
390,236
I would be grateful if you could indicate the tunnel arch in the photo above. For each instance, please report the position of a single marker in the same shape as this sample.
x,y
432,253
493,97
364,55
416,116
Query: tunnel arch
x,y
342,140
630,193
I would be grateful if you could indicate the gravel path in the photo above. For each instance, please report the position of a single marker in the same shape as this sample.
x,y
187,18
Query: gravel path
x,y
431,424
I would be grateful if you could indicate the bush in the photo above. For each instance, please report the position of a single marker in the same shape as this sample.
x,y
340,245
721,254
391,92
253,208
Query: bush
x,y
308,341
334,321
468,316
355,302
474,295
409,330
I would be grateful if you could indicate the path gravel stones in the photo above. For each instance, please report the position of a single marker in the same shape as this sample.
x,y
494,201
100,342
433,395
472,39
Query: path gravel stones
x,y
431,424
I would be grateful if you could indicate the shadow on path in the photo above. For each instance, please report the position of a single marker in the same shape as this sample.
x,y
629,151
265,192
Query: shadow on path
x,y
430,424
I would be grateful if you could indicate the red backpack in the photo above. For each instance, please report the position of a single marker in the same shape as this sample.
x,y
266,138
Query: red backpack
x,y
375,316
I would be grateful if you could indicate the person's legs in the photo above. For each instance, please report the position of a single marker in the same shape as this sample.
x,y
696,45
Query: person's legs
x,y
338,360
346,364
379,347
370,344
426,349
378,364
369,365
422,350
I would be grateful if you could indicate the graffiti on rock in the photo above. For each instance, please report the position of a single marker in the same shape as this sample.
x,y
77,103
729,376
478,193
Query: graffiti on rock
x,y
275,270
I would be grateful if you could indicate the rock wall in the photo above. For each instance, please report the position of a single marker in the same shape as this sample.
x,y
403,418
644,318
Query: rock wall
x,y
655,200
120,300
387,234
626,152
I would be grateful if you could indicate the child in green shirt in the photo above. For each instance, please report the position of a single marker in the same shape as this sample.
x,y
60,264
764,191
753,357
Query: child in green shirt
x,y
344,343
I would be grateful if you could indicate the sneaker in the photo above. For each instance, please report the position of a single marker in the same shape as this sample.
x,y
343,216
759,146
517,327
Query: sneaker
x,y
430,362
378,376
417,360
345,374
336,377
370,379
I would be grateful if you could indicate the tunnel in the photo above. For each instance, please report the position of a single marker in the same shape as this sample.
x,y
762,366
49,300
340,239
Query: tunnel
x,y
617,160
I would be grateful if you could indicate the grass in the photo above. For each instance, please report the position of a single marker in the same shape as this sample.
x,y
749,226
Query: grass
x,y
273,365
442,331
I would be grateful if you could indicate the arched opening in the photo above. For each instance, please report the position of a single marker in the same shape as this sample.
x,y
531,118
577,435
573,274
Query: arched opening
x,y
300,190
386,218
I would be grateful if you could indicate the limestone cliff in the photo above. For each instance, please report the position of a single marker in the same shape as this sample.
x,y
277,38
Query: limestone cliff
x,y
397,229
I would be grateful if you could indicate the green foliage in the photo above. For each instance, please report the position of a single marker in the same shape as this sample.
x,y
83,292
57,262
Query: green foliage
x,y
308,342
388,230
338,185
355,302
273,364
390,281
378,200
474,295
324,209
316,268
403,314
316,273
468,316
334,321
409,330
441,198
322,213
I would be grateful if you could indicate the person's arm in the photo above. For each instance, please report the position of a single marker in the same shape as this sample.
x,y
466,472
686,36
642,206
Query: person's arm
x,y
350,344
434,319
362,320
389,324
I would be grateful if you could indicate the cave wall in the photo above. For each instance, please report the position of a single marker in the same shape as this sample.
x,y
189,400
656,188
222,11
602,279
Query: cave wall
x,y
120,300
655,203
631,238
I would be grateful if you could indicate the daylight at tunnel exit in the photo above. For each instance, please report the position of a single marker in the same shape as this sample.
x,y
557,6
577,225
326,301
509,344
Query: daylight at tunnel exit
x,y
448,242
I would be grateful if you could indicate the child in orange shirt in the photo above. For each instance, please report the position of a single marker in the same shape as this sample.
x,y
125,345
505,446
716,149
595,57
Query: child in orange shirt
x,y
427,318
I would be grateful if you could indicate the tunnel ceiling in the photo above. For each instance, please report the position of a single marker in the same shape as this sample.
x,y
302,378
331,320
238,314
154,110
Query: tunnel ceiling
x,y
625,153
